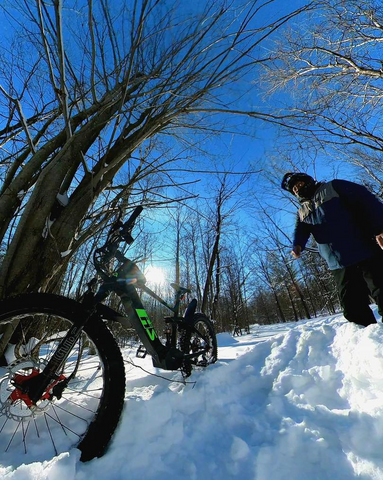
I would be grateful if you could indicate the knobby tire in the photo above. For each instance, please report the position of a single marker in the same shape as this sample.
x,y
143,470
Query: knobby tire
x,y
191,341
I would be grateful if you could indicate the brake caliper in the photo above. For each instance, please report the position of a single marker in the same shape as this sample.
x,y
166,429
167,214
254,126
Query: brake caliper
x,y
21,389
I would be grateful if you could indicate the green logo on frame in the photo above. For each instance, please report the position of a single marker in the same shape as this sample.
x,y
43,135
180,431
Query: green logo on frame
x,y
146,323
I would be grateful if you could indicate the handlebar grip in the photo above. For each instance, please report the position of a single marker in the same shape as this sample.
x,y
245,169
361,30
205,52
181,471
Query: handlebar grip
x,y
135,214
128,225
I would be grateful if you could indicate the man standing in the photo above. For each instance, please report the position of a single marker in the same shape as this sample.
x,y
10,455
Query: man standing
x,y
346,220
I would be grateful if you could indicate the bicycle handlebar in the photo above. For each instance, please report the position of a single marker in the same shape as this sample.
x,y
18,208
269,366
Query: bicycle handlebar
x,y
127,227
117,233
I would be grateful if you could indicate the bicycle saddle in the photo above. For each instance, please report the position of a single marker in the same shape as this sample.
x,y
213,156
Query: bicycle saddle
x,y
180,289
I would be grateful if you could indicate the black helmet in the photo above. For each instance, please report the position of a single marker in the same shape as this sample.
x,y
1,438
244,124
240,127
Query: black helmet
x,y
291,178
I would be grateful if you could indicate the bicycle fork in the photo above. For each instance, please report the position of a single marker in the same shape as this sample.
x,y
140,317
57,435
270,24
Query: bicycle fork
x,y
48,379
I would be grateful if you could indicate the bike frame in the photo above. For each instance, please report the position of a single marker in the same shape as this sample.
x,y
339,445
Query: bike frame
x,y
140,321
124,284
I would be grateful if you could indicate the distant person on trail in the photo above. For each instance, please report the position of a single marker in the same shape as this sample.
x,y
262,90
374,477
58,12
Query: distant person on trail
x,y
346,221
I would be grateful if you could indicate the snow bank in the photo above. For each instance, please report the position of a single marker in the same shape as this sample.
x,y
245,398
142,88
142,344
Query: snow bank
x,y
306,403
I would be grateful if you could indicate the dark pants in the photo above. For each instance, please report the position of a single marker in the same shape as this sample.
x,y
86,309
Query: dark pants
x,y
355,284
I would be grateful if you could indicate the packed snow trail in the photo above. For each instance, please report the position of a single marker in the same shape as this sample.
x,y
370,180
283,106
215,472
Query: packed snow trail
x,y
300,401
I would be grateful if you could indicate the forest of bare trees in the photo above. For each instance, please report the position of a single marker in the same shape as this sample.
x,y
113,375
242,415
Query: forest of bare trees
x,y
107,104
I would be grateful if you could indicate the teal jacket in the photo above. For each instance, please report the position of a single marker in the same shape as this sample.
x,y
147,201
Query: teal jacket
x,y
343,217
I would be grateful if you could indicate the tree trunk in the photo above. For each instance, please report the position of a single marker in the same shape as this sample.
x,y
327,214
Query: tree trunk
x,y
209,275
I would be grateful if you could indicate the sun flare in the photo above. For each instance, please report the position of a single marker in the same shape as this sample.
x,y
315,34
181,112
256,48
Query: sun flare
x,y
155,275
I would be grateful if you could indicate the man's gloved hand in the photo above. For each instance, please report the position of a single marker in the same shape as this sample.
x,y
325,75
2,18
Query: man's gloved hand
x,y
297,249
379,240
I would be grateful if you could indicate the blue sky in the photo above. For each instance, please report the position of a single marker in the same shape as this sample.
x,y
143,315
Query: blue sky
x,y
254,141
249,143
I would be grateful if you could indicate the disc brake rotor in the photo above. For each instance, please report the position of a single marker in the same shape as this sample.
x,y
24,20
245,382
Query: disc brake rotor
x,y
13,402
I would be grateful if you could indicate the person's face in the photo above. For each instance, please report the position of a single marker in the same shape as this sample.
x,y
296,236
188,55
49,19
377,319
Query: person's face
x,y
297,186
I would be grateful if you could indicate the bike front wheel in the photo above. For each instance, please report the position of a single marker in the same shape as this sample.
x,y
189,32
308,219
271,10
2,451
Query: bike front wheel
x,y
200,338
82,404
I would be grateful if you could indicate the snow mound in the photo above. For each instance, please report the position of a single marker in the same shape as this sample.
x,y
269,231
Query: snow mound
x,y
226,339
303,403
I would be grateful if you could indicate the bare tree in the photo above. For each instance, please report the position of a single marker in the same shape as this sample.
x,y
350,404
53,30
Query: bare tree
x,y
329,69
84,88
266,273
223,208
191,248
233,304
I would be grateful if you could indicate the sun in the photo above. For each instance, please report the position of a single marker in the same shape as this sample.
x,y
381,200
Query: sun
x,y
155,275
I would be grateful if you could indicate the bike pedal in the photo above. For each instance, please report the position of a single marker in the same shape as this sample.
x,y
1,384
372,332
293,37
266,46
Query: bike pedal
x,y
141,352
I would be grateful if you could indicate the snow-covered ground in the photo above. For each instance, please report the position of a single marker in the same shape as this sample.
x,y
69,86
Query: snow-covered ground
x,y
292,401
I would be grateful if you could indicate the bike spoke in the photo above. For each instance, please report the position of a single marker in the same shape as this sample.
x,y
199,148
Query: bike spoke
x,y
5,422
90,367
36,427
79,406
86,394
58,419
13,436
50,433
25,435
71,413
64,427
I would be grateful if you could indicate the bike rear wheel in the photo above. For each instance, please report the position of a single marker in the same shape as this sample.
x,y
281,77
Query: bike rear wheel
x,y
85,413
200,338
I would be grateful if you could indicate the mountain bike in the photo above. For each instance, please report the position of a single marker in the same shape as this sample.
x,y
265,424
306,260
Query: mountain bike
x,y
65,384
